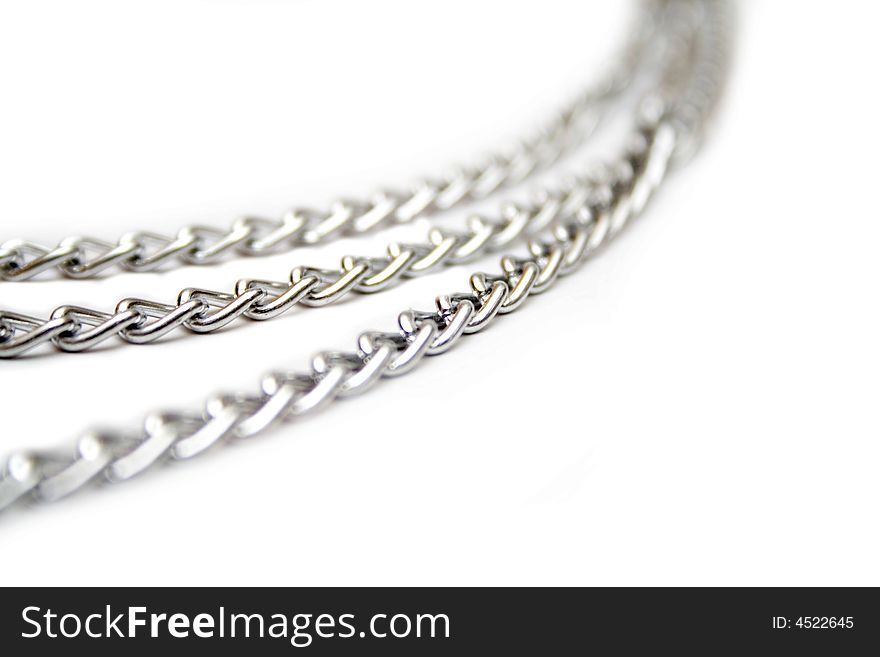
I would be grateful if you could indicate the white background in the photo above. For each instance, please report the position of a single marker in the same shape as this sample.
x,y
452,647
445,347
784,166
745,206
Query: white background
x,y
699,405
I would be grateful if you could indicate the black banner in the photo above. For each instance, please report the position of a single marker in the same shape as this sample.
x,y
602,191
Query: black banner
x,y
417,621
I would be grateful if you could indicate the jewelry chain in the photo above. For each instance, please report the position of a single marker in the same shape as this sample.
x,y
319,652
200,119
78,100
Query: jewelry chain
x,y
84,257
668,126
71,328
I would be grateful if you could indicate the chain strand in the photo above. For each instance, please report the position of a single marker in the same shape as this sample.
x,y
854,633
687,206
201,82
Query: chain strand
x,y
85,257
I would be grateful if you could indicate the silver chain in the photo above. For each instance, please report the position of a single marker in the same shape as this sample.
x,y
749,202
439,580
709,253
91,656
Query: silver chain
x,y
141,321
84,257
71,328
668,126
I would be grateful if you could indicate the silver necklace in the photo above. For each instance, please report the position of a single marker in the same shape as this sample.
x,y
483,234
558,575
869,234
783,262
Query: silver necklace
x,y
73,328
566,228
